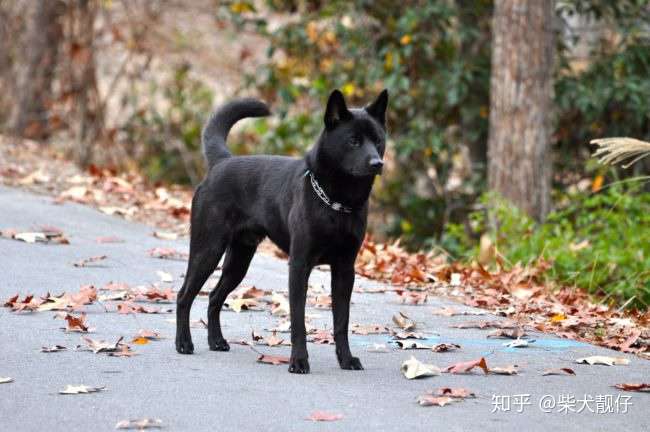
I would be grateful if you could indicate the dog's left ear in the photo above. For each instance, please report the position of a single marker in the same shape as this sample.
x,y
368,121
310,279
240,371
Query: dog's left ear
x,y
336,111
377,109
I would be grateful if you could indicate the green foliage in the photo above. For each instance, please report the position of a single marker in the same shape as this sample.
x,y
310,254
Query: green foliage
x,y
599,241
164,129
434,57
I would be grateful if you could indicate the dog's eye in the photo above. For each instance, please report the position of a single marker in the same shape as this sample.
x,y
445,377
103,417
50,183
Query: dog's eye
x,y
355,142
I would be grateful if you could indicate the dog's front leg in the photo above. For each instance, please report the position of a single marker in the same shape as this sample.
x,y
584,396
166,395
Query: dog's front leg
x,y
299,270
342,284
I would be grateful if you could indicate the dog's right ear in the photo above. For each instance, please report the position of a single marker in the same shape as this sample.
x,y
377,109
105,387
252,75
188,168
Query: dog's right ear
x,y
336,111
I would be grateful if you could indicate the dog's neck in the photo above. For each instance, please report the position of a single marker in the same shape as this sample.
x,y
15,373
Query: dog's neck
x,y
351,191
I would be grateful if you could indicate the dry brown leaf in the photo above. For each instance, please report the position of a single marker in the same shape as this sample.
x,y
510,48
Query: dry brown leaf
x,y
322,337
140,424
406,335
324,416
403,321
369,329
76,323
6,380
444,347
430,400
558,371
637,387
505,370
456,392
167,253
516,333
86,261
273,359
465,367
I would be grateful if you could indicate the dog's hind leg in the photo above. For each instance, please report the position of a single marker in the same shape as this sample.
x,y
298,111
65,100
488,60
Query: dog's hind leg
x,y
207,245
238,258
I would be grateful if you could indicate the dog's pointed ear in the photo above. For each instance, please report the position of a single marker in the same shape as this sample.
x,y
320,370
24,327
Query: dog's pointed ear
x,y
377,109
336,111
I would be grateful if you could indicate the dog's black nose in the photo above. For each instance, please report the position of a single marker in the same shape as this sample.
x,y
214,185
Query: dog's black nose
x,y
376,165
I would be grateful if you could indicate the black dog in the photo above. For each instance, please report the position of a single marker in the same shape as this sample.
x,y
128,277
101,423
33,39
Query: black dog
x,y
314,208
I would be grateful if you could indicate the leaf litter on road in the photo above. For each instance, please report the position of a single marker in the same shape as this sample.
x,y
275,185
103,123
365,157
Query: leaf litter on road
x,y
80,389
413,368
140,424
603,360
467,366
324,416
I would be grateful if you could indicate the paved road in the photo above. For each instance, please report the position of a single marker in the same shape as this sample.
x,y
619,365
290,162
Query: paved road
x,y
230,391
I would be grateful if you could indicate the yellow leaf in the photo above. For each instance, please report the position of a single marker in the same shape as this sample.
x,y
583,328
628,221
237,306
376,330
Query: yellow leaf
x,y
140,341
558,317
405,40
597,184
241,7
348,89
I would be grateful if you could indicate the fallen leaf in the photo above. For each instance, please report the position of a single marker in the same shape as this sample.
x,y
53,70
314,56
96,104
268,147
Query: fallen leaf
x,y
324,416
406,335
449,311
321,302
506,370
430,400
148,334
140,341
457,392
403,322
99,346
322,337
28,304
638,387
167,253
109,239
164,235
91,260
140,424
279,305
240,304
406,344
413,368
53,348
558,371
518,343
80,389
123,351
444,347
165,276
5,380
485,324
603,360
369,329
516,333
468,366
76,323
412,297
273,359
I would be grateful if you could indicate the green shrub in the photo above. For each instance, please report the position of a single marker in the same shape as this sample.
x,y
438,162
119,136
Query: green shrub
x,y
598,241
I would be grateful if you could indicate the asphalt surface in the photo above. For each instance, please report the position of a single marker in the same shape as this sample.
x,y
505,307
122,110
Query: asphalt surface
x,y
231,391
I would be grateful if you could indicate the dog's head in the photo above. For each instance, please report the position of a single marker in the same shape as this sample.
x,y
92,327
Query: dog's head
x,y
354,139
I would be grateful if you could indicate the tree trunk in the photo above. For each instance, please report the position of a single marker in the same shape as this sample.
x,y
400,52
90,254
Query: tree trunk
x,y
521,92
34,89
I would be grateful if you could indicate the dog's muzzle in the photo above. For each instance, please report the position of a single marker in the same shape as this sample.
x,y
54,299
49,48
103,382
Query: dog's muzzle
x,y
376,165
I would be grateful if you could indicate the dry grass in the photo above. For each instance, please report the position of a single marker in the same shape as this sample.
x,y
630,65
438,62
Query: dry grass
x,y
617,150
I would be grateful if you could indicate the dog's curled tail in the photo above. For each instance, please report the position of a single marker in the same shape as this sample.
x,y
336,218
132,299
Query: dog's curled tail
x,y
222,120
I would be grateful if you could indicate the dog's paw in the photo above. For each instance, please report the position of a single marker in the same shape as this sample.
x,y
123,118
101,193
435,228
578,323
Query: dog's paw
x,y
218,345
184,346
299,366
352,363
